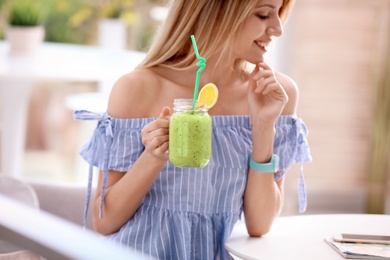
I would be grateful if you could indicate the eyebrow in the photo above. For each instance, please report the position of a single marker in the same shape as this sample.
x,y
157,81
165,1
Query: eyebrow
x,y
266,5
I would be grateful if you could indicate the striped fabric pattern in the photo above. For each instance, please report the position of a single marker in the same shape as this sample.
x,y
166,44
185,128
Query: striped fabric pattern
x,y
189,213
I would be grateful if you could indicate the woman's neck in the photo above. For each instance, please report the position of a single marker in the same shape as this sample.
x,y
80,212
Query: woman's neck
x,y
215,72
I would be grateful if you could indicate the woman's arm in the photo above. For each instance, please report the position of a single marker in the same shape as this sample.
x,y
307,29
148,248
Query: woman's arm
x,y
263,198
125,191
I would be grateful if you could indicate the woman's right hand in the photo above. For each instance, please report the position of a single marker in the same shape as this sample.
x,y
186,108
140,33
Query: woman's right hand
x,y
155,135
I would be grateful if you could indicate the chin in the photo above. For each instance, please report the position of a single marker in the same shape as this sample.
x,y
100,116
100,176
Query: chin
x,y
256,61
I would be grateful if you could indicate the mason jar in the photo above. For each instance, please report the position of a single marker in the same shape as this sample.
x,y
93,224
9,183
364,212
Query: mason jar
x,y
189,134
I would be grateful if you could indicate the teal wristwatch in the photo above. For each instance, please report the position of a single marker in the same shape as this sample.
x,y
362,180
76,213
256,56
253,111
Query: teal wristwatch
x,y
272,166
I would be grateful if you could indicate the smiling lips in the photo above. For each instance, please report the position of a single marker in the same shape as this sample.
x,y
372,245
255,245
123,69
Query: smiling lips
x,y
263,45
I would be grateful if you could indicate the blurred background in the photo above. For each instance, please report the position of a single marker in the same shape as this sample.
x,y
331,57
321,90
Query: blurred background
x,y
78,21
336,50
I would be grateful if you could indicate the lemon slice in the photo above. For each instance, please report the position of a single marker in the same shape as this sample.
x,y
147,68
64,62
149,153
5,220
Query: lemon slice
x,y
208,95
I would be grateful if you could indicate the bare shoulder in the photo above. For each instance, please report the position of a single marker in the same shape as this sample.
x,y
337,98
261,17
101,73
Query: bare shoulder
x,y
291,88
130,94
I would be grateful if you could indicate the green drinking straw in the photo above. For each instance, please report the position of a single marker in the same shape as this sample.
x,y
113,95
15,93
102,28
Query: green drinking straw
x,y
201,64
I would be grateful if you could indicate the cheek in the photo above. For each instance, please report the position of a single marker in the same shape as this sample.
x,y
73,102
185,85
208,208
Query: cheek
x,y
254,28
244,39
240,45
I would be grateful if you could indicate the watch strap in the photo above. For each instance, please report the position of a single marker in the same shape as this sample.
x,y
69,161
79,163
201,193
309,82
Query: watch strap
x,y
271,166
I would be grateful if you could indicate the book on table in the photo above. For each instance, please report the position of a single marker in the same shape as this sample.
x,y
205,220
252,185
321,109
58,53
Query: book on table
x,y
354,250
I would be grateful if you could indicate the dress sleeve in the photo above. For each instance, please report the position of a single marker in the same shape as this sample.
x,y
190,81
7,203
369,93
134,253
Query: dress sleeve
x,y
115,145
290,142
292,147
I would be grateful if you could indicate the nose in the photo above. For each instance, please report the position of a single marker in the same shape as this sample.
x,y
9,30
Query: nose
x,y
275,29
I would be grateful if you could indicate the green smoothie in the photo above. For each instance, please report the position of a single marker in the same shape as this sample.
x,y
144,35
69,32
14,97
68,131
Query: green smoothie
x,y
190,138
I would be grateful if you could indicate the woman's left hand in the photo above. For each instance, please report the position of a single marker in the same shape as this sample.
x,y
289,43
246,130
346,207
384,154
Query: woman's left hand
x,y
266,96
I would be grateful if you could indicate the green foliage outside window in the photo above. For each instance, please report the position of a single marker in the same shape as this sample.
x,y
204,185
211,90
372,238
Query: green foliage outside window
x,y
25,13
59,27
75,21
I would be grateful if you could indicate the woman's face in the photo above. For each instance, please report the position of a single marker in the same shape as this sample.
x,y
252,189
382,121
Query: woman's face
x,y
258,30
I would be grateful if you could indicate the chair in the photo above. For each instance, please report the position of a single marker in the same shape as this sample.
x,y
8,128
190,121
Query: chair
x,y
19,190
23,192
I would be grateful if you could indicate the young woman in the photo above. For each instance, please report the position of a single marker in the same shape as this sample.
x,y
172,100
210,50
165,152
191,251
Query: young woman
x,y
142,200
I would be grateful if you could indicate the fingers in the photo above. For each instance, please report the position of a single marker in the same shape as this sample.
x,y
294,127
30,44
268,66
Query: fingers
x,y
263,71
166,111
265,66
161,122
156,141
253,79
159,145
265,85
155,128
265,79
155,135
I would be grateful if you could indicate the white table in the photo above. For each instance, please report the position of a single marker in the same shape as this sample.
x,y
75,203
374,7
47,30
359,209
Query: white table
x,y
302,237
53,62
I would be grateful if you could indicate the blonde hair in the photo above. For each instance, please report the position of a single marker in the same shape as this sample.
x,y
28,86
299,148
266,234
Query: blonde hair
x,y
214,23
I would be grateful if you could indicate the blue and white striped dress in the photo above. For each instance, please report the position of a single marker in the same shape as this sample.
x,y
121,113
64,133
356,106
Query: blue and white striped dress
x,y
189,213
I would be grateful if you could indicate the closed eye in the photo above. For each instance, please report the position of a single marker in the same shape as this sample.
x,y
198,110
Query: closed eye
x,y
263,17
